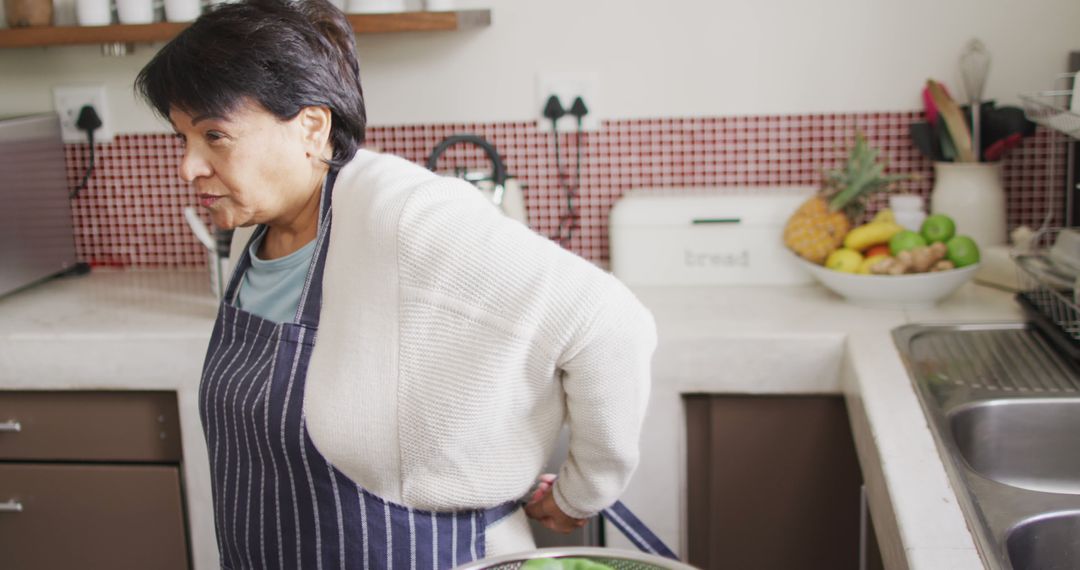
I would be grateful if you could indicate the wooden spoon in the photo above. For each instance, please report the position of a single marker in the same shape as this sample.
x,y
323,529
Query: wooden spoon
x,y
954,120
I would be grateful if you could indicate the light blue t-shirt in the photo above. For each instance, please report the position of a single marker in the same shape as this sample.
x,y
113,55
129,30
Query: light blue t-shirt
x,y
271,288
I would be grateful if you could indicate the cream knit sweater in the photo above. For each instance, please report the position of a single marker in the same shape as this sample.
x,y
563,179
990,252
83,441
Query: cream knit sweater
x,y
454,342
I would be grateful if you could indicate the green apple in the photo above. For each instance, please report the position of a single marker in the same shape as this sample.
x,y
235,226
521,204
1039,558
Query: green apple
x,y
938,227
962,251
905,240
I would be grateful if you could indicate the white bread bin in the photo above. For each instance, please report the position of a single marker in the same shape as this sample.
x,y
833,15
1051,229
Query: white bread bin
x,y
722,236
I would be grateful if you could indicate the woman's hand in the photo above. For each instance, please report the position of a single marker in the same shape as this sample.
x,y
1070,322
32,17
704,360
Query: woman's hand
x,y
542,507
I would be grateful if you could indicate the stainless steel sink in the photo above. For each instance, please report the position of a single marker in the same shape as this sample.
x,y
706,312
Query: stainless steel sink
x,y
1028,443
1004,409
1048,542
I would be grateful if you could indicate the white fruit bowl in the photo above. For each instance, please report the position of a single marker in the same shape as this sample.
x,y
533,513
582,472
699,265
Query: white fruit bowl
x,y
914,291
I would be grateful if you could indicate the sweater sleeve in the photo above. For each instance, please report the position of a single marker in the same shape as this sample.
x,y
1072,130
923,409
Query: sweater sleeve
x,y
606,378
553,318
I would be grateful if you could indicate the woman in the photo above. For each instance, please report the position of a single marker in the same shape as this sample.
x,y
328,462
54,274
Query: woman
x,y
393,358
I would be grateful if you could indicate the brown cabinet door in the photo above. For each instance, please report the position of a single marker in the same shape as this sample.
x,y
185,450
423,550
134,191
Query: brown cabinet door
x,y
773,483
111,517
89,426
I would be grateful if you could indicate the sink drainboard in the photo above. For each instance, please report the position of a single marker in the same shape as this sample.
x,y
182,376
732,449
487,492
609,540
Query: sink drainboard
x,y
1012,359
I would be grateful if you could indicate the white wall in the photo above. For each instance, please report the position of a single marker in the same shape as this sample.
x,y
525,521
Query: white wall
x,y
652,58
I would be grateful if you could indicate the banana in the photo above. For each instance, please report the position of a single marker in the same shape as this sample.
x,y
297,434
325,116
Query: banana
x,y
869,235
884,215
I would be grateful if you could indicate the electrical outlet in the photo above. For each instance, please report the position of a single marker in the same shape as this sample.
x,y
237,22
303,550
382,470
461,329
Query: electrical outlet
x,y
69,100
567,87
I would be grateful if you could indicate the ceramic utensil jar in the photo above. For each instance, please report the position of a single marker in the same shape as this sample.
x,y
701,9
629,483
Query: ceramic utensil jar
x,y
972,194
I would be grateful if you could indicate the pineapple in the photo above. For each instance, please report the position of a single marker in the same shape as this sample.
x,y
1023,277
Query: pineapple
x,y
818,227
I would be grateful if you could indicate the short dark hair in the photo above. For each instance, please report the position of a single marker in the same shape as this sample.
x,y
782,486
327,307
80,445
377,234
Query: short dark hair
x,y
286,55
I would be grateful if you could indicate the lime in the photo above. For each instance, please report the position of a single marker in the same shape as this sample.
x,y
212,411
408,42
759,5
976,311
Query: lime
x,y
845,260
962,251
905,240
938,227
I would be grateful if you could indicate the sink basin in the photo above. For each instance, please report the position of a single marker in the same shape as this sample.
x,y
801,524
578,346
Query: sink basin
x,y
1028,443
1048,542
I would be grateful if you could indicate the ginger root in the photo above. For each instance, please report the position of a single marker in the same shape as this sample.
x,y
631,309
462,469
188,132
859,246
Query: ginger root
x,y
917,260
890,266
924,258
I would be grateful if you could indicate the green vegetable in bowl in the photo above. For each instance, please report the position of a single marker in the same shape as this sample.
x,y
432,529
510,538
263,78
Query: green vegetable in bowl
x,y
543,564
564,564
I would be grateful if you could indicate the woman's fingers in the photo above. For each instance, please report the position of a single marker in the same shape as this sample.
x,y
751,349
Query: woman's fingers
x,y
533,509
551,516
543,486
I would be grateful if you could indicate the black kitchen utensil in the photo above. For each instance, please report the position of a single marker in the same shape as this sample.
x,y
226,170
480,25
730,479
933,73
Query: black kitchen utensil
x,y
1001,122
925,139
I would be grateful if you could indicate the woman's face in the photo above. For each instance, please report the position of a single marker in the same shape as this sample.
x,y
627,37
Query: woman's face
x,y
250,167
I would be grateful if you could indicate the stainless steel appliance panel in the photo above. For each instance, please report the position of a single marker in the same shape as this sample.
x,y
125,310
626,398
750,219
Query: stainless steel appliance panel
x,y
36,235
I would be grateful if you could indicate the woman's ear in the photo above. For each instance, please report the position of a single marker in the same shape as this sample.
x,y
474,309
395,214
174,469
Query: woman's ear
x,y
315,123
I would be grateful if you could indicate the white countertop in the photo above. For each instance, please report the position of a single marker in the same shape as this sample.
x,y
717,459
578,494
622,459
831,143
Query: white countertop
x,y
149,330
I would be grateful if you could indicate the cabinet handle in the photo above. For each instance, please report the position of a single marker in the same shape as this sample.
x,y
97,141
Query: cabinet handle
x,y
864,515
11,506
10,425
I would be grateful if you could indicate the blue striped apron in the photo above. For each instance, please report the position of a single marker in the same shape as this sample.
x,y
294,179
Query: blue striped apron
x,y
278,502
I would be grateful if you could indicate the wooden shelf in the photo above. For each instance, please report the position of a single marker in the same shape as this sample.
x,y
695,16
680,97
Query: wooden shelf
x,y
164,31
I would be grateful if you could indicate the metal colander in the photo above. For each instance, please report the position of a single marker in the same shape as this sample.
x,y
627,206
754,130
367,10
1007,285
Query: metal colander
x,y
616,559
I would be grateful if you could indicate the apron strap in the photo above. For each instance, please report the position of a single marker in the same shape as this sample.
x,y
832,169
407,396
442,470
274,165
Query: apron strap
x,y
626,521
635,530
307,312
499,512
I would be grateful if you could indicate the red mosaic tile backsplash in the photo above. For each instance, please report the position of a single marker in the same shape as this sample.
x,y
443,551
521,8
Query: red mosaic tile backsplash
x,y
131,212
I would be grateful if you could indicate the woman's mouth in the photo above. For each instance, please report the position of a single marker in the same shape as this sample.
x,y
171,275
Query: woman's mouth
x,y
207,200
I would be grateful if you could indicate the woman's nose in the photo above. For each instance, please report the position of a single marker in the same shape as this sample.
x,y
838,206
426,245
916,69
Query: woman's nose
x,y
192,166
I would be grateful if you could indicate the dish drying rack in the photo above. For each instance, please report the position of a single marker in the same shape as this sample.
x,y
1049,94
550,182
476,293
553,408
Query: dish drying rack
x,y
1047,296
1051,110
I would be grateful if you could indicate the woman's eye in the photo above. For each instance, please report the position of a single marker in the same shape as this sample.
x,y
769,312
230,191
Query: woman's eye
x,y
213,136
